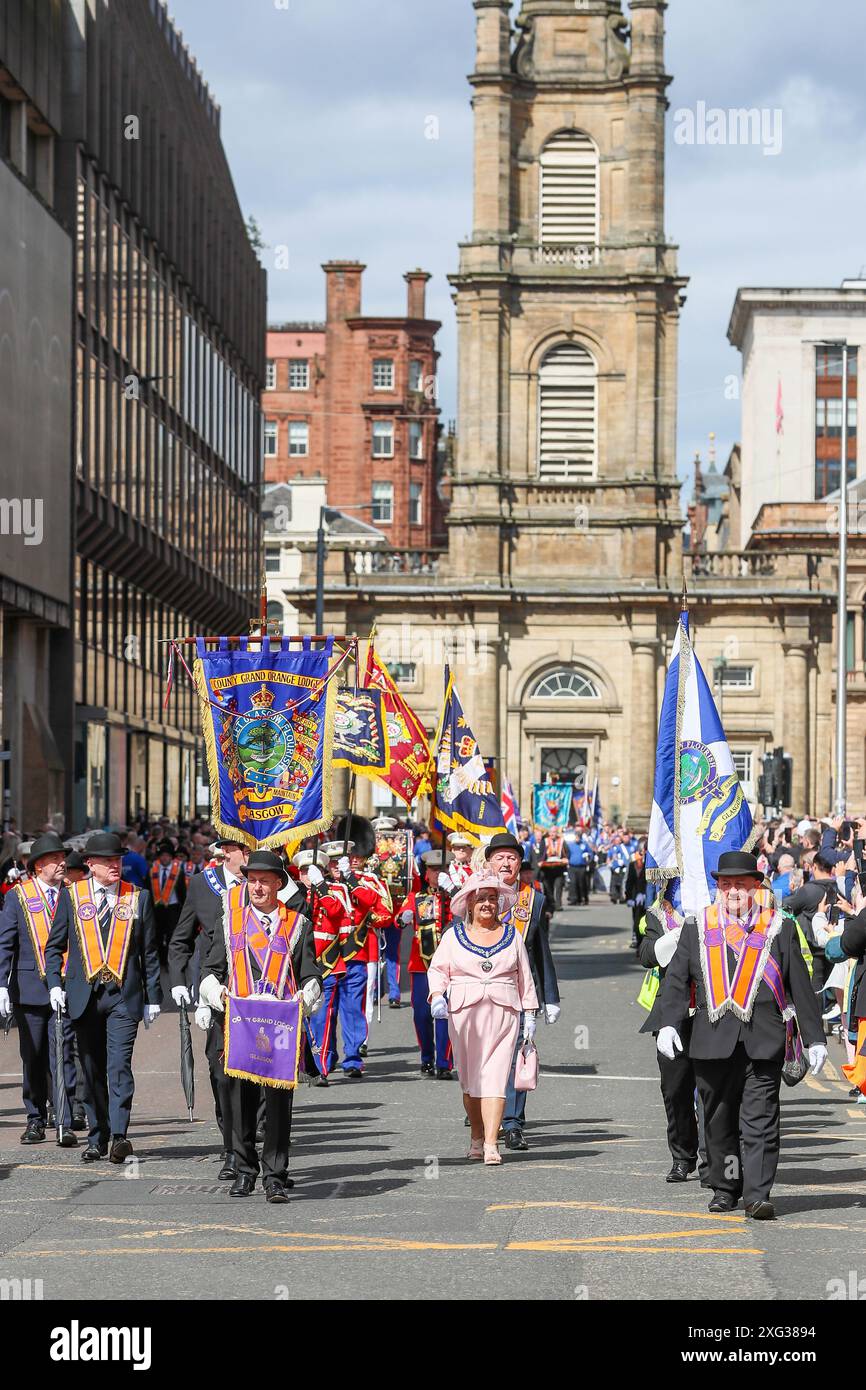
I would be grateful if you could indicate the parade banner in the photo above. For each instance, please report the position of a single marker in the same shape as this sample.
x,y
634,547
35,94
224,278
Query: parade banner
x,y
268,721
408,749
699,811
394,852
509,807
360,740
263,1039
551,804
463,796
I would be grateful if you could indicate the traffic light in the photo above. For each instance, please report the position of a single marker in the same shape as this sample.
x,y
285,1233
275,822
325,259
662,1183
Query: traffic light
x,y
774,784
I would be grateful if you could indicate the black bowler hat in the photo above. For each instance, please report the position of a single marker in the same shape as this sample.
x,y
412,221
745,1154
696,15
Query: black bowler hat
x,y
50,843
504,840
266,862
75,860
736,863
103,846
223,840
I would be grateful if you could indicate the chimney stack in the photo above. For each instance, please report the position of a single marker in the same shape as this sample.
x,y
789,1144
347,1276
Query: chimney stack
x,y
343,298
417,298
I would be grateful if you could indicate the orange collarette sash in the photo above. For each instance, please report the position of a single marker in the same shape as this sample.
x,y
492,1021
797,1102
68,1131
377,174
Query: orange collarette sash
x,y
112,959
752,948
38,917
162,896
245,937
519,915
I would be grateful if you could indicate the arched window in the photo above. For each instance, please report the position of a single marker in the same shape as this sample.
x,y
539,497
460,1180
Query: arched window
x,y
275,612
568,215
567,684
567,413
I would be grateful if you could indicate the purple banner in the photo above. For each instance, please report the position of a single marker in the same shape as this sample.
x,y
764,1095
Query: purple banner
x,y
263,1039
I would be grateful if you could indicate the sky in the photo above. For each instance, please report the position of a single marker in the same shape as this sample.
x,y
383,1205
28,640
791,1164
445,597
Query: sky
x,y
326,122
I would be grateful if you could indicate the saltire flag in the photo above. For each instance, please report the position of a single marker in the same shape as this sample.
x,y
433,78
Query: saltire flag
x,y
699,811
509,807
409,751
463,795
551,804
587,808
360,740
268,719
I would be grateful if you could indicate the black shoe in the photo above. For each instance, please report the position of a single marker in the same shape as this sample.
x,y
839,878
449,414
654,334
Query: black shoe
x,y
395,1004
275,1191
362,1050
855,1090
34,1132
243,1185
761,1211
120,1149
444,1074
680,1170
67,1139
427,1069
723,1201
79,1119
514,1140
229,1170
93,1152
354,1073
321,1081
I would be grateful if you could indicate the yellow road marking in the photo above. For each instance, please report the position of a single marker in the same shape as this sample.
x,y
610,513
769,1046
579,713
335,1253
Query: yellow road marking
x,y
813,1083
576,1249
858,1114
626,1211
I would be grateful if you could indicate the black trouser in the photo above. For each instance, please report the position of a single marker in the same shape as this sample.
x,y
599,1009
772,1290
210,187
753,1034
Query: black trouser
x,y
741,1122
165,920
579,884
678,1094
37,1045
278,1128
553,881
617,882
106,1033
636,913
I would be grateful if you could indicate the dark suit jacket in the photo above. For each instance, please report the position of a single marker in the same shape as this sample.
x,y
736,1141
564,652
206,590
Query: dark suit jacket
x,y
764,1035
18,971
180,887
537,943
141,983
202,907
854,944
304,962
647,956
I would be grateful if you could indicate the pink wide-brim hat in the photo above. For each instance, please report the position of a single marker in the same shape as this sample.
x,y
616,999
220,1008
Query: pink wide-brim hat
x,y
460,901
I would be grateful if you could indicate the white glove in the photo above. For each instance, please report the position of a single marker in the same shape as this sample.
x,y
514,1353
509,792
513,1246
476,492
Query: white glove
x,y
5,1003
817,1057
439,1007
407,917
446,883
310,996
640,900
551,1013
151,1014
210,992
529,1026
315,875
203,1017
344,866
57,998
180,995
668,1043
629,902
666,946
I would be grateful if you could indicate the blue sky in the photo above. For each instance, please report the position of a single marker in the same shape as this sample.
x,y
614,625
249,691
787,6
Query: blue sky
x,y
325,107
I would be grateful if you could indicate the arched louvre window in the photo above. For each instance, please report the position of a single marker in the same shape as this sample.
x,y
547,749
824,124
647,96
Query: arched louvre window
x,y
569,191
567,684
567,413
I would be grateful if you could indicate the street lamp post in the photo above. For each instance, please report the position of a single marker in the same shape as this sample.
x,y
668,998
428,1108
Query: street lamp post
x,y
320,559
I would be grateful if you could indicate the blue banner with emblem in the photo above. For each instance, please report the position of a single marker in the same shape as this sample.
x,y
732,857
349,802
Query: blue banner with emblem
x,y
360,739
267,713
463,794
551,804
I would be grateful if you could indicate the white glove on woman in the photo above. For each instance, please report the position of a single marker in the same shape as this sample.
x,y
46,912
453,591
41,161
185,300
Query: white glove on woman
x,y
180,995
666,946
445,883
668,1043
315,875
551,1013
529,1027
817,1057
5,1003
439,1007
210,992
203,1017
344,865
151,1014
57,999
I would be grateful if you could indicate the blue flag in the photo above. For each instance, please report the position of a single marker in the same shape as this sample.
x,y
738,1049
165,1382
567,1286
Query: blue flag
x,y
268,721
699,811
463,795
360,738
551,804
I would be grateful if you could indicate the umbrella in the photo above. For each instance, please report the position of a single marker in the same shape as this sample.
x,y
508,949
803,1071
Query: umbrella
x,y
187,1068
59,1077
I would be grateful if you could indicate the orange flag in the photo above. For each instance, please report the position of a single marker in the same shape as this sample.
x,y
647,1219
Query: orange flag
x,y
407,775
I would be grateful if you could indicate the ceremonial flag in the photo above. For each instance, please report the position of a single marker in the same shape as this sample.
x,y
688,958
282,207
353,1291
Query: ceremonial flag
x,y
360,740
551,804
463,796
408,748
699,811
268,721
587,807
509,807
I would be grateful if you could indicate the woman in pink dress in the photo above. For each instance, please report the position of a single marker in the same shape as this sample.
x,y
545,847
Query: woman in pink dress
x,y
482,966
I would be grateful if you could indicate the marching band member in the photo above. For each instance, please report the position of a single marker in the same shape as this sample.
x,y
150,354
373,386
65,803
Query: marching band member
x,y
428,913
331,915
25,925
168,890
112,983
377,912
392,930
247,957
460,849
191,942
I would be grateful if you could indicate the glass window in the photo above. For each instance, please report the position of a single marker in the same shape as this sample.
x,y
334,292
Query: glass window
x,y
416,375
383,503
743,764
416,440
738,677
383,439
565,685
383,374
270,375
299,439
272,559
299,374
270,439
415,507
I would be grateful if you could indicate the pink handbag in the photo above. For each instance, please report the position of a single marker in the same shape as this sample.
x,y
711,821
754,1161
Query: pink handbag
x,y
526,1068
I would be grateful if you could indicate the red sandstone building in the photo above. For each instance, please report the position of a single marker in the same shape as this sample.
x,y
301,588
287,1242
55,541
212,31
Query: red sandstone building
x,y
353,400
